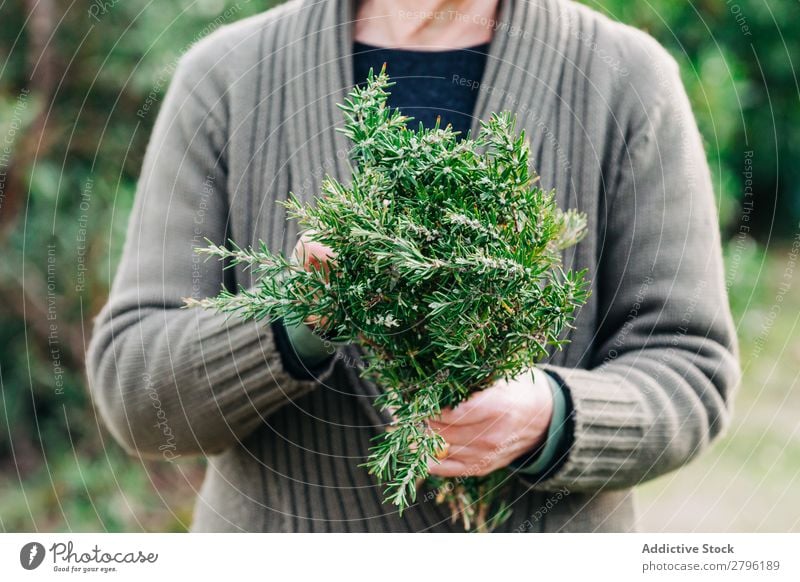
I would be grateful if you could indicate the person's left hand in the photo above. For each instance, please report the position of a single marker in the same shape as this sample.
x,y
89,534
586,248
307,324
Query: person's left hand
x,y
494,426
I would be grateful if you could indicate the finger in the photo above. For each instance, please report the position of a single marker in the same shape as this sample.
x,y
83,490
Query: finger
x,y
315,247
452,467
483,449
459,434
467,462
448,468
314,254
464,454
472,411
315,321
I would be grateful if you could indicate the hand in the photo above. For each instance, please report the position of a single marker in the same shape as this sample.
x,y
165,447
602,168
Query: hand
x,y
494,426
313,254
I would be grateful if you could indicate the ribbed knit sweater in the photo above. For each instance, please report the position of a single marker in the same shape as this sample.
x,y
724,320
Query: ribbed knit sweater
x,y
250,116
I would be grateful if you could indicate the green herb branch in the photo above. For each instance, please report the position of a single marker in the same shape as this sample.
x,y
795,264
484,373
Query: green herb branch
x,y
448,273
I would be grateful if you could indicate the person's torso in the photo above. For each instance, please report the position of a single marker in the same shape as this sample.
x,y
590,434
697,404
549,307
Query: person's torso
x,y
299,471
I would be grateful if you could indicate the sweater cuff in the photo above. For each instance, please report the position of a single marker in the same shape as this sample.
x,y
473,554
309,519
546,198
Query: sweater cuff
x,y
549,453
297,366
310,348
303,353
607,425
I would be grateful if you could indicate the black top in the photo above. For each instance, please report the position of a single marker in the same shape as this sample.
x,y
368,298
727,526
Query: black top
x,y
428,84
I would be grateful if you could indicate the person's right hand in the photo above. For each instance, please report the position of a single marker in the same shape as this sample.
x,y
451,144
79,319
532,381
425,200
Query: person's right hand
x,y
315,255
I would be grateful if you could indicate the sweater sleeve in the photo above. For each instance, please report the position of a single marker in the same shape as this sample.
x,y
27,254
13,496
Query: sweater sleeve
x,y
665,365
165,378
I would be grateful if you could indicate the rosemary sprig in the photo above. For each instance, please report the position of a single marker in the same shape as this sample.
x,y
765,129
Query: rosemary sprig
x,y
448,273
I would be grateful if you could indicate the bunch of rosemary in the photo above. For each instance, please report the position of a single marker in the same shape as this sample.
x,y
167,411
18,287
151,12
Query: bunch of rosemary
x,y
447,273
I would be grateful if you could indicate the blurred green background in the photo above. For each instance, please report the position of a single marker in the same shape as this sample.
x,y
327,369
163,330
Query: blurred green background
x,y
72,78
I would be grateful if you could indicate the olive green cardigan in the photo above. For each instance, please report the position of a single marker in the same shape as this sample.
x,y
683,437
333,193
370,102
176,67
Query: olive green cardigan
x,y
251,115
